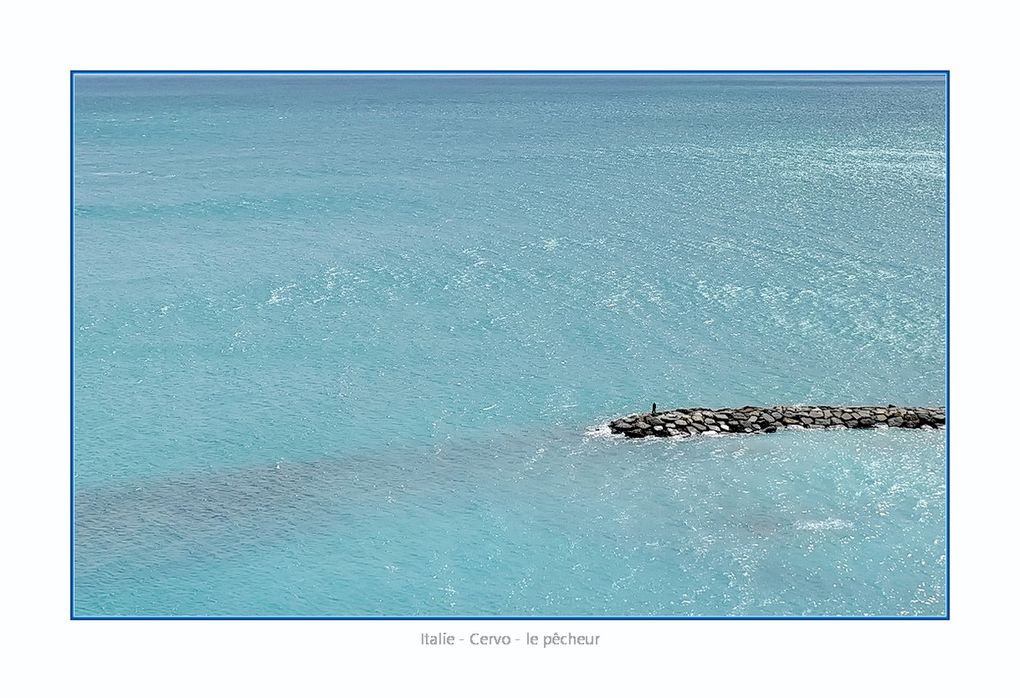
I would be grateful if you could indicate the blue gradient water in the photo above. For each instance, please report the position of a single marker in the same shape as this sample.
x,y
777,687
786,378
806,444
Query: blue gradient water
x,y
343,344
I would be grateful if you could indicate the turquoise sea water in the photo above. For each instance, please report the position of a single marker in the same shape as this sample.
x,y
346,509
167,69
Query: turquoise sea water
x,y
343,345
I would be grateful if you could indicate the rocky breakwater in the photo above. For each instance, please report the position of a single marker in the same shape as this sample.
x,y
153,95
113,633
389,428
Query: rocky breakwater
x,y
700,421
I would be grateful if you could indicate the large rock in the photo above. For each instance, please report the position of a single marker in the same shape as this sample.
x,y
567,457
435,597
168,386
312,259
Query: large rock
x,y
748,419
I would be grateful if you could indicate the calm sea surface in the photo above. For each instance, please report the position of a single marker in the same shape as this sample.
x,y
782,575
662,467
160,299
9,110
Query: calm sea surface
x,y
343,344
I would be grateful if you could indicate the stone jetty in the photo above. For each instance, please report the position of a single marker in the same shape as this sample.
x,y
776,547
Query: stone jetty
x,y
699,421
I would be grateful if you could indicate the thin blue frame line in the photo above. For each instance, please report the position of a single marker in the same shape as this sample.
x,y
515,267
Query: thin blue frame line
x,y
518,618
948,420
72,343
510,72
946,616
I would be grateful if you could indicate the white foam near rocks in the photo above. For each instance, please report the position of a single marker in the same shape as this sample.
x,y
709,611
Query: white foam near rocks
x,y
601,431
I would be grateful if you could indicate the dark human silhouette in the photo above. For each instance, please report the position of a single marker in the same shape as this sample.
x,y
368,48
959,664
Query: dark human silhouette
x,y
653,408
